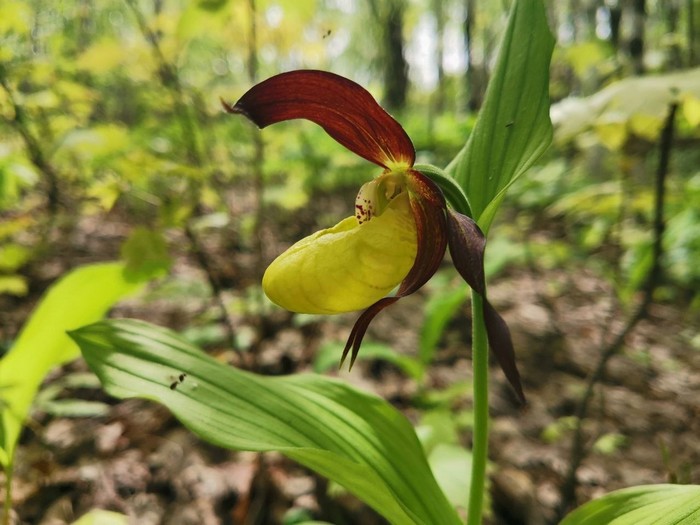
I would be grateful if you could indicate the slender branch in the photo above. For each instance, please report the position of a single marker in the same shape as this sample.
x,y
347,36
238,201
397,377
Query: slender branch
x,y
171,81
256,163
216,288
480,442
36,155
578,448
259,145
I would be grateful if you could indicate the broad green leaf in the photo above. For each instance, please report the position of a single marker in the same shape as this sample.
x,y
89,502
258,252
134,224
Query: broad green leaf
x,y
513,128
642,505
452,465
80,297
353,438
654,93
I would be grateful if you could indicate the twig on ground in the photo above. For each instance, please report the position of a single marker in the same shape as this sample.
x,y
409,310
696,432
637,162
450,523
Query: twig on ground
x,y
578,447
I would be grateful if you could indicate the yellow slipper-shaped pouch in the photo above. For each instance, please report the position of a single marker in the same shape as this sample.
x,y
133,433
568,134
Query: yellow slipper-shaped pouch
x,y
347,267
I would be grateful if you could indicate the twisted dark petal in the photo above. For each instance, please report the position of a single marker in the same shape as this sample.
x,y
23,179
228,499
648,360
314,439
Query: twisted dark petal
x,y
467,244
360,328
428,207
346,110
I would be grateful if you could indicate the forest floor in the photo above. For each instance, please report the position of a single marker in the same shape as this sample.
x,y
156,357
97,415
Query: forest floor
x,y
643,425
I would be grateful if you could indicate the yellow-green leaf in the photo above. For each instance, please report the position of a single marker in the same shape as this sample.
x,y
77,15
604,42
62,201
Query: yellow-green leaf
x,y
642,505
691,109
80,297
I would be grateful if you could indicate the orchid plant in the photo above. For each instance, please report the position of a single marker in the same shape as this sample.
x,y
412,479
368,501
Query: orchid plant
x,y
402,223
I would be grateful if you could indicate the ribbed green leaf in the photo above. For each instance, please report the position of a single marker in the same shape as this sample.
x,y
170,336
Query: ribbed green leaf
x,y
82,296
643,505
353,438
513,128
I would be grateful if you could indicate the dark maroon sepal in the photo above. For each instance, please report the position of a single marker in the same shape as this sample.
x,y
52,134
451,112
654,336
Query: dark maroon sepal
x,y
467,244
360,328
346,110
502,346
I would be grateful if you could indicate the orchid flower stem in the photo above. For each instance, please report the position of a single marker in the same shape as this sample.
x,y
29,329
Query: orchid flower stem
x,y
480,364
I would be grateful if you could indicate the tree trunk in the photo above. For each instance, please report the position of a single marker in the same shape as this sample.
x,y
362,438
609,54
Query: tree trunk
x,y
438,9
693,21
395,65
636,42
672,11
615,11
473,78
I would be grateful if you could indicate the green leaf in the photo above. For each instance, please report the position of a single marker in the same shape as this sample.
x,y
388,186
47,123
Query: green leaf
x,y
513,128
146,254
439,310
353,438
613,106
13,256
74,408
13,285
642,505
82,296
452,465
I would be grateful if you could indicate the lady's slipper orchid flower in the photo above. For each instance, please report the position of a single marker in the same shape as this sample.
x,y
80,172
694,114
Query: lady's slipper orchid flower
x,y
401,226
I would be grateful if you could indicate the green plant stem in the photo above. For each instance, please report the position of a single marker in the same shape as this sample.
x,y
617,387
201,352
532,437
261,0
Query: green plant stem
x,y
480,444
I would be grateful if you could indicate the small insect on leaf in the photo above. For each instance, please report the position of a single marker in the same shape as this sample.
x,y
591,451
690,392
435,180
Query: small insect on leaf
x,y
179,381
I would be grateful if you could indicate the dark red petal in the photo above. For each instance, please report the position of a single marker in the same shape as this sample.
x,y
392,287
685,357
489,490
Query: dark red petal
x,y
342,107
428,206
467,244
